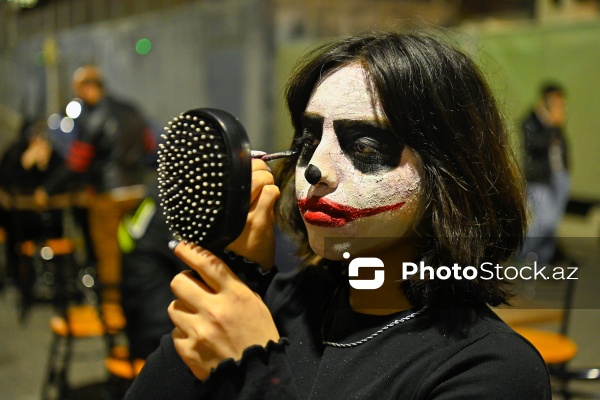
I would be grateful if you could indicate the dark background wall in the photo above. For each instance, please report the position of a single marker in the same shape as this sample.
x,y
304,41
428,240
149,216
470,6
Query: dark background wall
x,y
237,54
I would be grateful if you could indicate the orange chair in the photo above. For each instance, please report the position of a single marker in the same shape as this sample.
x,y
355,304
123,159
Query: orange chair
x,y
47,272
123,367
84,321
122,371
556,348
80,311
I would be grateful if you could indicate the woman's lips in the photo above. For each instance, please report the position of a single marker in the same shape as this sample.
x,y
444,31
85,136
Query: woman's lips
x,y
322,212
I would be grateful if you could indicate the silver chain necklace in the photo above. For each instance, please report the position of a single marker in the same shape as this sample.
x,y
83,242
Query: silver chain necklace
x,y
388,326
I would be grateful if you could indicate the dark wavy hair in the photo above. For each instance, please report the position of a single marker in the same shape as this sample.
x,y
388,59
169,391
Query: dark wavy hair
x,y
439,104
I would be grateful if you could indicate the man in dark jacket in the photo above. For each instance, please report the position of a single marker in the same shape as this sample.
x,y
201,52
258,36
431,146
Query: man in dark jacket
x,y
546,172
108,156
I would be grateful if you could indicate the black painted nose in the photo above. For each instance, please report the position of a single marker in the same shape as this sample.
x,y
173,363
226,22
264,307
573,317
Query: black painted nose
x,y
312,174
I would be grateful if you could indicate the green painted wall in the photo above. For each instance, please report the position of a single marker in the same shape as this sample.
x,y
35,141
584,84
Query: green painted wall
x,y
286,58
518,60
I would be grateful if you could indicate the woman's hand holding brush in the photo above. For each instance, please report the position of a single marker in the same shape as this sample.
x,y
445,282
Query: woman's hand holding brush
x,y
219,317
257,240
216,318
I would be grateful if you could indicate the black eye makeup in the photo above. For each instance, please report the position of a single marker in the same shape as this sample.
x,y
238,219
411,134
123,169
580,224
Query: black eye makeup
x,y
370,147
312,131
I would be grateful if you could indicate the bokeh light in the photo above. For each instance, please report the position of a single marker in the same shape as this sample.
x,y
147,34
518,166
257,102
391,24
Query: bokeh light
x,y
67,124
54,121
143,46
73,109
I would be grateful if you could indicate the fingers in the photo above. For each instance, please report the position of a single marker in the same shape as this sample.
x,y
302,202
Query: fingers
x,y
261,176
213,271
257,241
264,193
263,206
182,317
197,359
178,334
259,165
191,291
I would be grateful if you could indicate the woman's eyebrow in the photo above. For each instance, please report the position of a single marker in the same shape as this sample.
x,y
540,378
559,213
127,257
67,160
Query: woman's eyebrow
x,y
312,121
371,125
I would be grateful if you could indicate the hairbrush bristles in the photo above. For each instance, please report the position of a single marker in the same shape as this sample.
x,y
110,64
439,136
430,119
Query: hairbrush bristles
x,y
204,177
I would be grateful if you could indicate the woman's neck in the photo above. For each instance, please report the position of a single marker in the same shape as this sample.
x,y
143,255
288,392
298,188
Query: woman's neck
x,y
389,298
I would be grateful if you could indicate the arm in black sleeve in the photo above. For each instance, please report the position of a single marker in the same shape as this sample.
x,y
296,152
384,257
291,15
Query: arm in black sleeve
x,y
9,161
77,163
261,373
57,181
165,376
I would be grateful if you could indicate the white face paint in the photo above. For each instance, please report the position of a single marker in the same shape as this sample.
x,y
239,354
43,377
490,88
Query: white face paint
x,y
369,187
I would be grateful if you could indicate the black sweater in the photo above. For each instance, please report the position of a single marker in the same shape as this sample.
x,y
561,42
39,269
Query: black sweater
x,y
460,354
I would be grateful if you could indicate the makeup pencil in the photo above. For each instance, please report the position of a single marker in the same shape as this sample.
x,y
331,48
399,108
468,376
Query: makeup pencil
x,y
272,156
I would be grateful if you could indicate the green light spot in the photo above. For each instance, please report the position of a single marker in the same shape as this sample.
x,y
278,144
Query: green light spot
x,y
143,46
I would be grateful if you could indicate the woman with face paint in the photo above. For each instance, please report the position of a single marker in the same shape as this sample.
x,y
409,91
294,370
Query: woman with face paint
x,y
401,156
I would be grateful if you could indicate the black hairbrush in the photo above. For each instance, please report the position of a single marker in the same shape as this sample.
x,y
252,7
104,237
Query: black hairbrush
x,y
204,176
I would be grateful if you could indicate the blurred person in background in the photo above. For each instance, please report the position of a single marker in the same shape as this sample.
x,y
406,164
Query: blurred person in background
x,y
108,156
148,268
25,165
546,172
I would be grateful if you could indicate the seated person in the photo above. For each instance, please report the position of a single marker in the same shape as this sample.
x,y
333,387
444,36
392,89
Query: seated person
x,y
24,166
148,268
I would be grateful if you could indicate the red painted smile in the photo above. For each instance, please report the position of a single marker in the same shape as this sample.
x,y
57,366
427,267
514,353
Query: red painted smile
x,y
321,212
